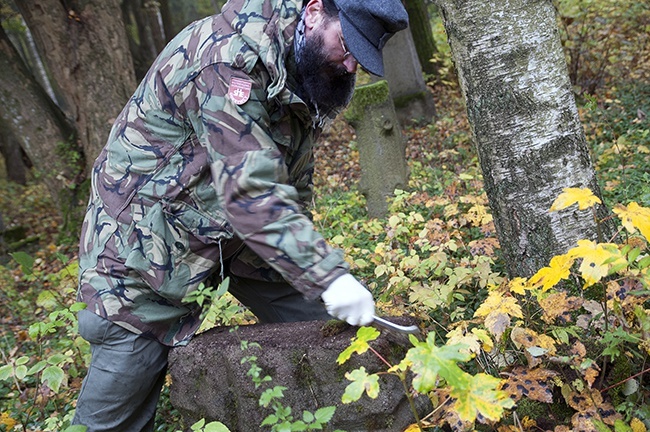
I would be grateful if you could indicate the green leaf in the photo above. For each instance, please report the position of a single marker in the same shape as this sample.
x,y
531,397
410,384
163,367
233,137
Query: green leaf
x,y
76,307
325,414
480,396
298,426
47,300
22,360
621,426
361,382
37,367
76,428
216,426
53,376
21,372
268,395
307,416
6,372
56,359
428,361
198,425
26,262
600,426
359,344
270,420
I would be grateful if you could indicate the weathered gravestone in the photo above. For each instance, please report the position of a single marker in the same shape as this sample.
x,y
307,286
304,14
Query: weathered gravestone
x,y
210,381
381,145
411,96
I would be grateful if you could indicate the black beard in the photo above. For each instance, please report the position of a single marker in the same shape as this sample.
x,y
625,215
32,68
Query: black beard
x,y
325,85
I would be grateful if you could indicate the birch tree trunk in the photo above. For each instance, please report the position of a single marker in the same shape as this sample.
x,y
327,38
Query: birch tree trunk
x,y
523,115
84,45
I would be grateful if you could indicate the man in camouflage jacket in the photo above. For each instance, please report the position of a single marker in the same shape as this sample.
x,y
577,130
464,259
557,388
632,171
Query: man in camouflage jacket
x,y
207,174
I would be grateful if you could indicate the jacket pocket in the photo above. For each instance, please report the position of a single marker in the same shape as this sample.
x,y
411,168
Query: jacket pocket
x,y
177,247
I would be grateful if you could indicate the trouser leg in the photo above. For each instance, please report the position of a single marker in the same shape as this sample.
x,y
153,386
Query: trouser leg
x,y
121,389
275,301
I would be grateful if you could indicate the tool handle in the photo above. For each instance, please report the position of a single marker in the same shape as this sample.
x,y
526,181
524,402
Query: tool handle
x,y
392,326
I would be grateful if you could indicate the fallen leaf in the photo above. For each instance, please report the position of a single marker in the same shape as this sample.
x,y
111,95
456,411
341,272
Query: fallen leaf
x,y
535,384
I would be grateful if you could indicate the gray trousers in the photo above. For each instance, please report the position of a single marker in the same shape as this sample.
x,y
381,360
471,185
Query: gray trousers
x,y
127,371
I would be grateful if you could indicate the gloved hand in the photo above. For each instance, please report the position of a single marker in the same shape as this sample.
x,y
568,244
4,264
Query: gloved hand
x,y
348,300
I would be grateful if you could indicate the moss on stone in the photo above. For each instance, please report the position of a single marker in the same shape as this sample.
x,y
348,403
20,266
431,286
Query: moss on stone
x,y
364,96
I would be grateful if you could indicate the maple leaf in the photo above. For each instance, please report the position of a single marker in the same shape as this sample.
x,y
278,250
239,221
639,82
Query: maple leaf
x,y
428,361
634,217
559,305
535,384
481,397
359,343
584,197
475,340
497,310
497,302
361,382
534,344
597,259
557,270
518,285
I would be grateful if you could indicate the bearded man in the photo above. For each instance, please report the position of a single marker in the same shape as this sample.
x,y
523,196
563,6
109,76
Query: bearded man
x,y
207,175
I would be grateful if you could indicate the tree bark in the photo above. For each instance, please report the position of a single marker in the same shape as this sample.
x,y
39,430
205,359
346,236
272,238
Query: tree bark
x,y
28,115
420,27
13,155
84,45
522,111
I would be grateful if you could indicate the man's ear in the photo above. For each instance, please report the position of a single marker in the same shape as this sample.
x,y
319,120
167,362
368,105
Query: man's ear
x,y
314,14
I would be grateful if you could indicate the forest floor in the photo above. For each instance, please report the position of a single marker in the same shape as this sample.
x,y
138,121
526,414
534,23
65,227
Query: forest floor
x,y
38,261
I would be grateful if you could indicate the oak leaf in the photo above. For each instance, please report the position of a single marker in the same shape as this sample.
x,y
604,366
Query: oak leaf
x,y
584,197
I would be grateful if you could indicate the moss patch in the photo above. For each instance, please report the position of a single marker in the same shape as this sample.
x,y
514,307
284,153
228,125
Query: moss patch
x,y
365,96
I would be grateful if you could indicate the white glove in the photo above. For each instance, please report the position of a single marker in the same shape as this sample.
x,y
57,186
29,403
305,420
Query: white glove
x,y
348,300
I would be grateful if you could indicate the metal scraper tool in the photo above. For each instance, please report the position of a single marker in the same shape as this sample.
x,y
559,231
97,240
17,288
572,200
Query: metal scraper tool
x,y
413,329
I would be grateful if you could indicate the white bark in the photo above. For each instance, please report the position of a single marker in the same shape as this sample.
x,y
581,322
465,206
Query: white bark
x,y
525,122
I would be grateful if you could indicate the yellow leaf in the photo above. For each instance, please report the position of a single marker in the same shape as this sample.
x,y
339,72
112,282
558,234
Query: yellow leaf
x,y
486,341
518,285
481,397
559,305
637,425
496,302
459,337
634,217
557,270
412,428
597,259
569,196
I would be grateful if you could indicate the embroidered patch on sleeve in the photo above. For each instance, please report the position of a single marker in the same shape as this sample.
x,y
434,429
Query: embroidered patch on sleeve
x,y
239,90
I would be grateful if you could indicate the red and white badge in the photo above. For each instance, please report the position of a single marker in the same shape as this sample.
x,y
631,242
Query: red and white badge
x,y
239,90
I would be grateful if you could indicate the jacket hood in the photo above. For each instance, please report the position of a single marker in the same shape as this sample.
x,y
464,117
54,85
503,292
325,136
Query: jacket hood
x,y
267,28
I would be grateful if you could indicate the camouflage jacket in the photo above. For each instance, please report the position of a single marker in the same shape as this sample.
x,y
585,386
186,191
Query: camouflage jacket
x,y
213,150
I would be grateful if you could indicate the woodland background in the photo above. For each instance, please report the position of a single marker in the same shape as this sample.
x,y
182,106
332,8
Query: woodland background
x,y
570,340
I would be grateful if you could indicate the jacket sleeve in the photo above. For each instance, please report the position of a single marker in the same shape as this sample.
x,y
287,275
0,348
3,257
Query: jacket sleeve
x,y
252,182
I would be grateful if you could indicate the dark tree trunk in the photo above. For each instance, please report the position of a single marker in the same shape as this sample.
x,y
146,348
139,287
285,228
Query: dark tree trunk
x,y
13,155
28,116
168,22
84,45
420,26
